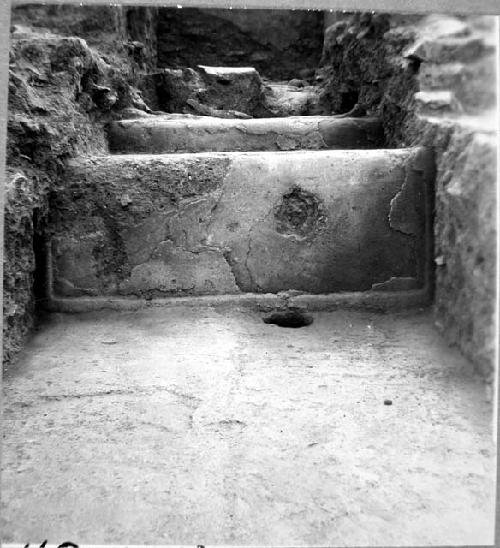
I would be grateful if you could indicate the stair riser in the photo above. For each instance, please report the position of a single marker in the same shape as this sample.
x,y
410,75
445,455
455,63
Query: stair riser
x,y
274,134
318,222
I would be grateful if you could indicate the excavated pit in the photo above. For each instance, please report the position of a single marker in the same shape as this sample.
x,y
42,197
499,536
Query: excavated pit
x,y
222,174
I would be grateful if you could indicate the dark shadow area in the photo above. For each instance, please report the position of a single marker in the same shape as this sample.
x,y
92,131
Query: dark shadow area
x,y
40,272
278,43
289,318
349,100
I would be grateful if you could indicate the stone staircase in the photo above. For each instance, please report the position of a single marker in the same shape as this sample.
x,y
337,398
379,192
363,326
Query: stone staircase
x,y
297,211
456,79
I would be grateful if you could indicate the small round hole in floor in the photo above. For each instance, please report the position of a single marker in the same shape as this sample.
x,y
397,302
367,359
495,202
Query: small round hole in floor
x,y
289,318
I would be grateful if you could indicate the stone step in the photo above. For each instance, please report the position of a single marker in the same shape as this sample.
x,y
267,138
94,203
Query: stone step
x,y
176,225
450,49
160,134
473,84
221,88
283,99
437,101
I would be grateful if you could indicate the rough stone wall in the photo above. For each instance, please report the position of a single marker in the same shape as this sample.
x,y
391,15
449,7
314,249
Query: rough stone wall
x,y
101,26
117,32
432,81
465,245
206,92
61,91
297,35
455,111
142,33
278,43
362,64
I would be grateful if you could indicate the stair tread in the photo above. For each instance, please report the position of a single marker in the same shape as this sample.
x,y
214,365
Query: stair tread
x,y
223,71
188,119
160,134
484,123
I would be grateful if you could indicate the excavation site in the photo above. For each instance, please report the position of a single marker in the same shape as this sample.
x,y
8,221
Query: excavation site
x,y
249,277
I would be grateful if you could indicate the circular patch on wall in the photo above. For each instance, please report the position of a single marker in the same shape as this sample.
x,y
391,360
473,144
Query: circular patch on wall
x,y
299,213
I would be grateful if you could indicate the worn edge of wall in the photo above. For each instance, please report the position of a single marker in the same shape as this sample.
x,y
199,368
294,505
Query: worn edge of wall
x,y
496,380
361,300
5,10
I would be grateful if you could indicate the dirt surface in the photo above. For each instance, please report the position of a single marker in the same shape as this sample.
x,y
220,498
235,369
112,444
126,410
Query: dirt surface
x,y
208,426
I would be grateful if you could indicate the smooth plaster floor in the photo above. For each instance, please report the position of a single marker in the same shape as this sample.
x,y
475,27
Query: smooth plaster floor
x,y
207,426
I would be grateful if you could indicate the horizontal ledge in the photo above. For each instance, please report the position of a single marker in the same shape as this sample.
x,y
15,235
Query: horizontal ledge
x,y
362,300
134,158
163,135
283,122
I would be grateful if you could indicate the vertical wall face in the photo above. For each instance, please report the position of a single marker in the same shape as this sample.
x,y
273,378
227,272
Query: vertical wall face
x,y
278,43
456,112
465,246
60,83
102,25
142,31
432,80
294,33
317,222
362,62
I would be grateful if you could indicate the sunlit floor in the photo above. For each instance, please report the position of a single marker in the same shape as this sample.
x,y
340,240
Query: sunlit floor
x,y
207,426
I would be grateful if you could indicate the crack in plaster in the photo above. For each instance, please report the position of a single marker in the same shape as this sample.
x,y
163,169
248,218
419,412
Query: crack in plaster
x,y
402,215
188,399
